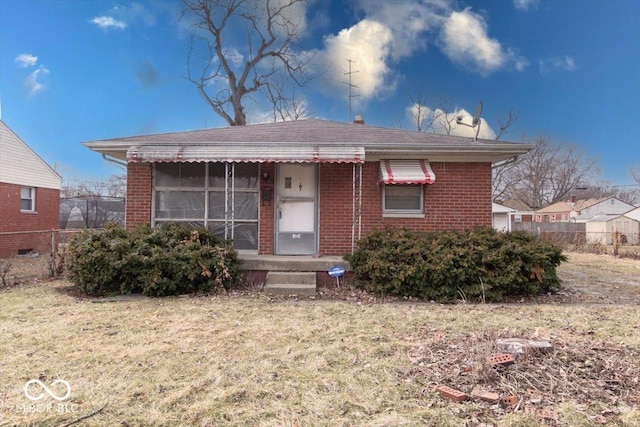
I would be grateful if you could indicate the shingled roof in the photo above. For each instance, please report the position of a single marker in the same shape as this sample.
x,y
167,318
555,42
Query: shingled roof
x,y
377,142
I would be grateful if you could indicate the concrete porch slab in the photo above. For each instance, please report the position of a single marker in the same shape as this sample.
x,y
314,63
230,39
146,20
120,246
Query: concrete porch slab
x,y
291,263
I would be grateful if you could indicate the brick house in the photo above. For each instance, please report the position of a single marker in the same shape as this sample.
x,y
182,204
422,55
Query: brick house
x,y
308,187
29,198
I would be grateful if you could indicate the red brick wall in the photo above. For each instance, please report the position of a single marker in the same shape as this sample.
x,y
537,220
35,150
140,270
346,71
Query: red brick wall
x,y
139,182
459,199
45,217
267,215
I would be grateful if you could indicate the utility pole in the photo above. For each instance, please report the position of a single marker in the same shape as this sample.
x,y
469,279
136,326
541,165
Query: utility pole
x,y
351,86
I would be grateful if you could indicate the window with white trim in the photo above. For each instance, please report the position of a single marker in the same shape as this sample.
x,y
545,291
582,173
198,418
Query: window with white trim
x,y
224,197
403,199
28,199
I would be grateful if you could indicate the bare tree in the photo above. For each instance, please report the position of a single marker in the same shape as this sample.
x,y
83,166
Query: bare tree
x,y
286,103
505,123
547,174
112,186
226,75
635,173
422,117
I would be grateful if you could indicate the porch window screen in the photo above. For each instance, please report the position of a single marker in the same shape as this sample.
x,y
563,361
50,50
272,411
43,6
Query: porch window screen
x,y
223,197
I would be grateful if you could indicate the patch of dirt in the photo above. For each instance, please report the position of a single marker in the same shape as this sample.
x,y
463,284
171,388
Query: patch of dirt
x,y
599,378
599,278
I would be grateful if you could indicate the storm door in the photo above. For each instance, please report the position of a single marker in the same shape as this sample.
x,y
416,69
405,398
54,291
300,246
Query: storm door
x,y
296,209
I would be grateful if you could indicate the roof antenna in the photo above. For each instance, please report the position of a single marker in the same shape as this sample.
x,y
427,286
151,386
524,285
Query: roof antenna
x,y
475,122
350,85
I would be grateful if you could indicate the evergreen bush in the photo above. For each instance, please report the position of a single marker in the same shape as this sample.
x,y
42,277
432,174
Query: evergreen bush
x,y
171,260
475,265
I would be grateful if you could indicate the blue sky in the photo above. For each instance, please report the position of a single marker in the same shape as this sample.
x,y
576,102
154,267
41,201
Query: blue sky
x,y
74,71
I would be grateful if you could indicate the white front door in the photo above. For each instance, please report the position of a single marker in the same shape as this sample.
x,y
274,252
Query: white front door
x,y
296,209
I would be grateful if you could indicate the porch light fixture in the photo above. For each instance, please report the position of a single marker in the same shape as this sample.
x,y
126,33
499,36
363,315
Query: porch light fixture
x,y
266,176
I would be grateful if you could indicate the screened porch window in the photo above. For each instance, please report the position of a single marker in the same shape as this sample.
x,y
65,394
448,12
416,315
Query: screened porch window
x,y
224,197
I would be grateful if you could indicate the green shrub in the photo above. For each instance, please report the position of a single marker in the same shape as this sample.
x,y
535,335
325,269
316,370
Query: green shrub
x,y
170,260
479,264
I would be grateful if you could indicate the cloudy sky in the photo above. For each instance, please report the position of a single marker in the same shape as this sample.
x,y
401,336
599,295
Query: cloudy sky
x,y
74,71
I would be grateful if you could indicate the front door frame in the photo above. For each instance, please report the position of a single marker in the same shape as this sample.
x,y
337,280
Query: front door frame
x,y
280,248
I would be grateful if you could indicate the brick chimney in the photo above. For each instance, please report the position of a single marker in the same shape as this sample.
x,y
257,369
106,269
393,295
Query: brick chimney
x,y
358,120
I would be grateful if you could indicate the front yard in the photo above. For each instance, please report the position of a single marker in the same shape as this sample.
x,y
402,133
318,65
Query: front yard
x,y
247,360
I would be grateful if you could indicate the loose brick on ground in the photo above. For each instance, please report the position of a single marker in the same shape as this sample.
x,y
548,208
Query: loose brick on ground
x,y
452,394
502,359
482,394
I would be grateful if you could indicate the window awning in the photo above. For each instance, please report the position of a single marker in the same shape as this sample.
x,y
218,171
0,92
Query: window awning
x,y
406,172
248,153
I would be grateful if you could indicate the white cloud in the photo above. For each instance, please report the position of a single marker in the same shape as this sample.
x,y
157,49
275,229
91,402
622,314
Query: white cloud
x,y
443,122
234,56
108,22
525,4
367,44
119,17
464,39
33,81
26,60
562,63
408,20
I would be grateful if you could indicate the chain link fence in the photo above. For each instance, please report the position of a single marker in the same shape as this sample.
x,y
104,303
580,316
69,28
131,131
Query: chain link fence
x,y
91,211
32,254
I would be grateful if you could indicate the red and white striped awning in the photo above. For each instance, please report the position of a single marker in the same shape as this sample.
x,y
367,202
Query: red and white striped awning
x,y
406,172
253,153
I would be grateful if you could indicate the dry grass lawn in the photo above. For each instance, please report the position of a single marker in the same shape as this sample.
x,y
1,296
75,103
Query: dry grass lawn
x,y
250,361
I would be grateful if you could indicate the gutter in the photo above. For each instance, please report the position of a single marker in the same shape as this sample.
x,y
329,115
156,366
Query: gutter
x,y
113,160
505,162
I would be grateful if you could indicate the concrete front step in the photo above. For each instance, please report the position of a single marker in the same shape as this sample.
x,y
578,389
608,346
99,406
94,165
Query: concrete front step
x,y
290,283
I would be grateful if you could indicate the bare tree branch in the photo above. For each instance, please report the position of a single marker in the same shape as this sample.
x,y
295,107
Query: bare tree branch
x,y
547,174
635,173
224,79
506,123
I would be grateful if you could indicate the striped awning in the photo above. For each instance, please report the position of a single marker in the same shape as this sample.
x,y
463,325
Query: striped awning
x,y
406,172
248,153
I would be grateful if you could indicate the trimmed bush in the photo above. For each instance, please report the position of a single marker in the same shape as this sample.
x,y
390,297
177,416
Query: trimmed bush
x,y
475,265
170,260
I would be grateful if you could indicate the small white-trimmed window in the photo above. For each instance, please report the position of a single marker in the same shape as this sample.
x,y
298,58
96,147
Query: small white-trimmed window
x,y
27,199
403,199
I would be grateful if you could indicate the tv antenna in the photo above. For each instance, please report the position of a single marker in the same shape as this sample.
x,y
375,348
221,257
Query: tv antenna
x,y
351,85
475,122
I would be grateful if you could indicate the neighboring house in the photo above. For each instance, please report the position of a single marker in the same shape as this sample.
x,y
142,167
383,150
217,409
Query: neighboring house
x,y
601,228
521,216
502,217
29,197
581,210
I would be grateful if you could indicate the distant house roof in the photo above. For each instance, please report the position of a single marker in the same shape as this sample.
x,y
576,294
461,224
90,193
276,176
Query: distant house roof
x,y
498,208
21,165
377,142
600,218
517,205
633,214
576,206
